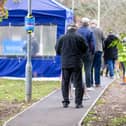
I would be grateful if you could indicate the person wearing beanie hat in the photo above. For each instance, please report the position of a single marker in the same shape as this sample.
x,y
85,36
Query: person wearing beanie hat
x,y
85,20
72,26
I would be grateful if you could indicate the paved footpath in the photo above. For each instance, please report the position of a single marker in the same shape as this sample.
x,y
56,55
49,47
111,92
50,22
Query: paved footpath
x,y
49,111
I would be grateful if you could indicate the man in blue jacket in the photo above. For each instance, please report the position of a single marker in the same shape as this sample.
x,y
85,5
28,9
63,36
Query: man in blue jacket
x,y
71,47
89,38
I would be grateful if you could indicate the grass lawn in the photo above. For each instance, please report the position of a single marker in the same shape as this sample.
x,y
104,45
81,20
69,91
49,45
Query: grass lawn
x,y
12,95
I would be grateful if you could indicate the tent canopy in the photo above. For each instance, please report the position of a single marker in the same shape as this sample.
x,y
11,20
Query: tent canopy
x,y
45,12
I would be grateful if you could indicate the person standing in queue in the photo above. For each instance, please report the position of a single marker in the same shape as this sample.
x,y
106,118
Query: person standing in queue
x,y
89,38
111,52
71,47
96,67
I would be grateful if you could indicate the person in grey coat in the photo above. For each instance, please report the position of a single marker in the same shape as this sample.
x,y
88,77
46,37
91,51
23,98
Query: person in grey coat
x,y
71,47
96,66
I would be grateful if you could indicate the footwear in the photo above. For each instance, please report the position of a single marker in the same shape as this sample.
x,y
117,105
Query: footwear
x,y
73,88
79,106
106,75
90,89
65,105
97,85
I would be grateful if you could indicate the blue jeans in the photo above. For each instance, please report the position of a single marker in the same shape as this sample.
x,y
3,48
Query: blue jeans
x,y
96,67
111,66
88,60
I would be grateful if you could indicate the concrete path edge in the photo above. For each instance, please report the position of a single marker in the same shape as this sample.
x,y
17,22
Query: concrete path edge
x,y
43,98
80,122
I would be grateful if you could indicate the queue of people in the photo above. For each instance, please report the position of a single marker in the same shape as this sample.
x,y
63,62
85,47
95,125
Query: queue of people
x,y
84,46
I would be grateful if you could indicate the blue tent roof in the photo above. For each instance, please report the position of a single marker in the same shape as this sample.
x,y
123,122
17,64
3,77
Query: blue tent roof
x,y
45,12
36,5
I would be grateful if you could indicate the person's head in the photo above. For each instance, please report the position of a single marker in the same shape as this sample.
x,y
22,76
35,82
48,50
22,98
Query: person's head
x,y
93,23
72,27
85,21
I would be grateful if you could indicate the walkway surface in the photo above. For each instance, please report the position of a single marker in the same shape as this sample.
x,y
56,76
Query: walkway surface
x,y
49,111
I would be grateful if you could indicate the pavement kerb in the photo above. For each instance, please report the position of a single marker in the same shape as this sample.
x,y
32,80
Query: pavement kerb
x,y
30,106
80,122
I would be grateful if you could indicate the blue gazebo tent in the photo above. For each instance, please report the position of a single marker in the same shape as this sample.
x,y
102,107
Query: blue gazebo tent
x,y
45,12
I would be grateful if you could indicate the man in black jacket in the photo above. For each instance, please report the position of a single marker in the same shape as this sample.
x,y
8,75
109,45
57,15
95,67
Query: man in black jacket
x,y
71,47
110,53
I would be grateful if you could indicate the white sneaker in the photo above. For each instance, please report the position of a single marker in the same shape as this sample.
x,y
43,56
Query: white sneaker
x,y
90,89
73,88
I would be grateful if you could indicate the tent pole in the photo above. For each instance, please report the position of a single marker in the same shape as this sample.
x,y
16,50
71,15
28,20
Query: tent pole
x,y
28,72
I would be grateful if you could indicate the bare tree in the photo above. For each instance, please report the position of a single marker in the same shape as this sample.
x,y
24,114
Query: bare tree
x,y
113,14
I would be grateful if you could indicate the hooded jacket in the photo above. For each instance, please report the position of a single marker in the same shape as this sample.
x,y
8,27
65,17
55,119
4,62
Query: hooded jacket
x,y
110,52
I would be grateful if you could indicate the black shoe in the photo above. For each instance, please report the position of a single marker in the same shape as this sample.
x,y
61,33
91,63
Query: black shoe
x,y
65,105
79,106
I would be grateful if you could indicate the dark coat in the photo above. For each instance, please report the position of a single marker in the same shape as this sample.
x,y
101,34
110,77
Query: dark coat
x,y
71,47
110,52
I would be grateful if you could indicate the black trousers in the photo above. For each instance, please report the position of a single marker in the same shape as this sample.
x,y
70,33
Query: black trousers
x,y
76,73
